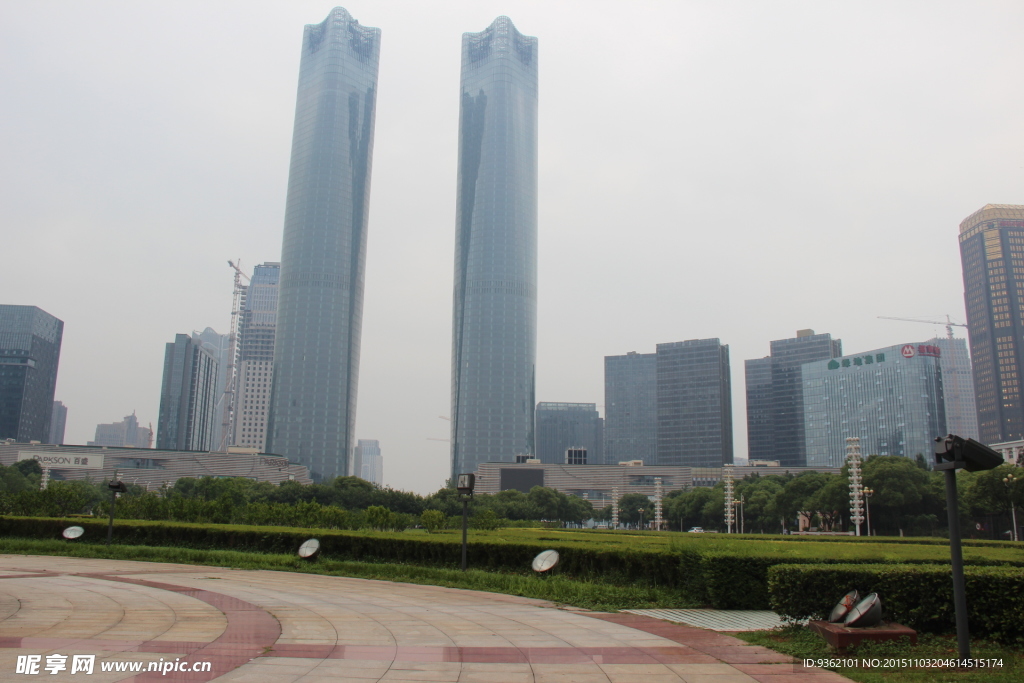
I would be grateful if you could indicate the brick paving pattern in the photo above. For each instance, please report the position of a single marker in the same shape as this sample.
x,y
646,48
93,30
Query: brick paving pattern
x,y
278,627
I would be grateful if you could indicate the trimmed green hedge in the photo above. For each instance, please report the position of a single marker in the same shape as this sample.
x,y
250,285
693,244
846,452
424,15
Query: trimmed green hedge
x,y
919,596
722,579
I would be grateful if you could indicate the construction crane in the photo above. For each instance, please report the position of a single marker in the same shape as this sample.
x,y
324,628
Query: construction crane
x,y
227,435
949,323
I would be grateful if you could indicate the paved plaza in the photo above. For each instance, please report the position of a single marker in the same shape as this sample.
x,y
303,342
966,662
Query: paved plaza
x,y
279,627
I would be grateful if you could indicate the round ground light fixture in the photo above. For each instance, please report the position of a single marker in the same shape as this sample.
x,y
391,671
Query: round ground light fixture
x,y
309,549
867,612
72,532
545,561
843,607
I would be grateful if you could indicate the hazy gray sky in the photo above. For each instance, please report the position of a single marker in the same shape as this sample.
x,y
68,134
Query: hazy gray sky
x,y
707,169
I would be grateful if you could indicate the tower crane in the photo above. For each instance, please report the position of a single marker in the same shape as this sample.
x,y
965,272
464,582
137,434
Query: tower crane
x,y
227,436
949,323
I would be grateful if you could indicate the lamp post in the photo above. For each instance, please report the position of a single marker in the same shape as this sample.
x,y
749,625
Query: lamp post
x,y
740,502
867,505
730,511
1009,480
641,511
465,489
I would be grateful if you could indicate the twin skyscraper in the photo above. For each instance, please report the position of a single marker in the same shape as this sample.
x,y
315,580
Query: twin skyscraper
x,y
323,256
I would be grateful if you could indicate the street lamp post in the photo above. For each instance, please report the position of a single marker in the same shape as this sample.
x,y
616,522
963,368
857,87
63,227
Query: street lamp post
x,y
641,511
867,505
740,502
1009,480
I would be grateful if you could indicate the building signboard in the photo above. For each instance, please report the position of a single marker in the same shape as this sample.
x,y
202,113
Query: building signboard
x,y
63,462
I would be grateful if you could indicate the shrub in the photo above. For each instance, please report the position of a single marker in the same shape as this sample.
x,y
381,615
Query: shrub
x,y
433,520
919,596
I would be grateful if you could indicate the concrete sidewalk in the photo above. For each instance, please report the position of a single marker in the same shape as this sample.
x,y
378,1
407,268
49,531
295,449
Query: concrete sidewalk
x,y
279,627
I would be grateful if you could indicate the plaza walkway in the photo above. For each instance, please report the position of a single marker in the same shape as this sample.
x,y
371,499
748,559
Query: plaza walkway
x,y
278,627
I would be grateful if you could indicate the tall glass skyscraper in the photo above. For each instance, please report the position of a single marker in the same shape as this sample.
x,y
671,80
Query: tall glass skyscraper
x,y
992,256
631,408
494,338
323,255
30,340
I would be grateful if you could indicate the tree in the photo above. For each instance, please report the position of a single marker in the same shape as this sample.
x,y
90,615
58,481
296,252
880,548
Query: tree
x,y
796,494
629,508
546,501
830,501
902,491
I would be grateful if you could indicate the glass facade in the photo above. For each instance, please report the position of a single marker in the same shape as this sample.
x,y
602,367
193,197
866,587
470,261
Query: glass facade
x,y
694,404
494,335
891,398
992,256
630,408
758,374
188,396
323,253
30,340
561,426
788,355
369,463
958,387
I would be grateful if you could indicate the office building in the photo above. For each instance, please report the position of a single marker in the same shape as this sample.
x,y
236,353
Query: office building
x,y
760,435
992,256
630,408
58,422
957,387
256,357
788,355
891,398
219,346
323,254
694,404
494,335
124,434
564,426
368,463
187,396
30,340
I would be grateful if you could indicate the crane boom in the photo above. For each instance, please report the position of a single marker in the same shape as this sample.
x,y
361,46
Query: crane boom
x,y
948,323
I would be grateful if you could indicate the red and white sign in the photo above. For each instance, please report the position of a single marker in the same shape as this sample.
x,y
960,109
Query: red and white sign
x,y
908,351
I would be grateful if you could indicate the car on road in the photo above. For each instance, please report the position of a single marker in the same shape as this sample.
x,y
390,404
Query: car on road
x,y
695,530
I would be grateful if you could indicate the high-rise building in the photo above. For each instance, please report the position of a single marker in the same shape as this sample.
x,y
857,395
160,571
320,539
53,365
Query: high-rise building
x,y
630,408
187,396
992,256
30,340
890,398
957,387
787,399
323,254
58,422
561,426
126,433
368,462
256,357
219,346
758,373
694,404
494,337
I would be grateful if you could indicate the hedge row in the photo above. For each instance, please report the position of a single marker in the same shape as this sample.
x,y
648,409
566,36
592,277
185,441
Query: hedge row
x,y
724,580
919,596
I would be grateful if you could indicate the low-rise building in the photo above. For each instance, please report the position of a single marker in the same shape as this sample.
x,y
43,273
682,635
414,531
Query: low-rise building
x,y
152,468
596,483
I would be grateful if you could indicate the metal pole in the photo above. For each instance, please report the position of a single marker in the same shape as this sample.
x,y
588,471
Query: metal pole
x,y
1013,512
110,525
963,637
465,522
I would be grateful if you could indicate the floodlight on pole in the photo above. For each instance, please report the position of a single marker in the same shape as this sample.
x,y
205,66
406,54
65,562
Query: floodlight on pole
x,y
657,503
867,506
615,508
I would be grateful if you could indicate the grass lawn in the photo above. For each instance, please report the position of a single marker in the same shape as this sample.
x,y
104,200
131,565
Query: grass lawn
x,y
800,642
